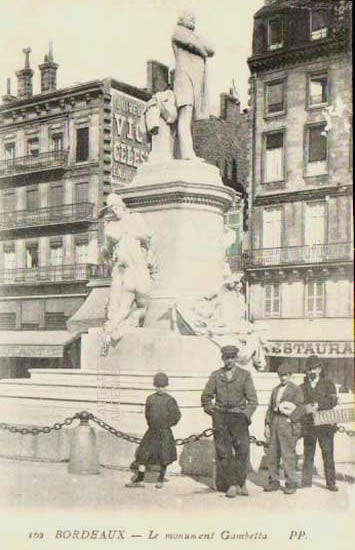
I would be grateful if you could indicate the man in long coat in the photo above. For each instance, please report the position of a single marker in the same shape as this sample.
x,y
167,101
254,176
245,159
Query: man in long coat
x,y
190,86
319,394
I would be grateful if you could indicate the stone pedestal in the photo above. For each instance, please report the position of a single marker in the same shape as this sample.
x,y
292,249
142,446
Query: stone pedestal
x,y
183,202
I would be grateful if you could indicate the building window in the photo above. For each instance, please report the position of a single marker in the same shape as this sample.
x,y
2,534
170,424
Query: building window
x,y
8,201
272,227
317,150
318,89
275,100
274,157
315,223
32,258
81,257
233,220
32,199
82,144
56,260
10,151
56,195
57,142
272,300
275,34
56,253
81,192
33,147
81,250
9,258
319,24
9,263
315,298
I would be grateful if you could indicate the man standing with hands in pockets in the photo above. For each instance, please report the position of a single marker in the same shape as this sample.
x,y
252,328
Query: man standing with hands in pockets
x,y
230,398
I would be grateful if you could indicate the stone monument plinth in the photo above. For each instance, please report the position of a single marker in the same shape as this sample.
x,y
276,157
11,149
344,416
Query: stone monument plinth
x,y
185,213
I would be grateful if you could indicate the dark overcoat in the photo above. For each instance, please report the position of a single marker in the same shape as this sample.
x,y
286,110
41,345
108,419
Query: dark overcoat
x,y
158,444
325,395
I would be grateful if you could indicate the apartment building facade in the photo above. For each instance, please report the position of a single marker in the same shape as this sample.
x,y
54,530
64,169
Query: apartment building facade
x,y
299,264
61,153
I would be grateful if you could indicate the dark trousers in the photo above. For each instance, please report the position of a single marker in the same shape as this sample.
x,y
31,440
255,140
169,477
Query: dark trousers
x,y
325,436
231,440
282,446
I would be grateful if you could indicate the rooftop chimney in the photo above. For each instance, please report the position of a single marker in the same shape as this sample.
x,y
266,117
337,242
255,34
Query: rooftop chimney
x,y
24,77
48,72
8,98
157,77
229,107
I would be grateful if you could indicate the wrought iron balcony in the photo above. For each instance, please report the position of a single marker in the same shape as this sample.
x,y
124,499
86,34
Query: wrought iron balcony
x,y
46,274
300,254
75,212
29,163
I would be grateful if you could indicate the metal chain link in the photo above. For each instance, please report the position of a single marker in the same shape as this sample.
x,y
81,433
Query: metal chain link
x,y
343,430
131,438
114,431
36,431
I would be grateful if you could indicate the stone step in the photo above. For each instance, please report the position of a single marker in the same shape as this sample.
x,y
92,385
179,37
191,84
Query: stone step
x,y
263,381
129,396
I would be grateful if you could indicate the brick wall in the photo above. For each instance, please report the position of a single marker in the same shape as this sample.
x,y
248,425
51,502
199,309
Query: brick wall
x,y
225,139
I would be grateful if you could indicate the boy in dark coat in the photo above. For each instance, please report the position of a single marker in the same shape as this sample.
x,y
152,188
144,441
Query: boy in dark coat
x,y
158,444
319,395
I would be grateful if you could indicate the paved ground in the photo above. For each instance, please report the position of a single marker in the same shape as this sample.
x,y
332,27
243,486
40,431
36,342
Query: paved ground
x,y
47,490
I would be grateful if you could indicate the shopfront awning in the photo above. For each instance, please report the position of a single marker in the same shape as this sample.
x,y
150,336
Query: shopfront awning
x,y
331,338
92,313
39,343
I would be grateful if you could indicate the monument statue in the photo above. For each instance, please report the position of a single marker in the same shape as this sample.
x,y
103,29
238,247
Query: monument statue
x,y
190,80
129,247
168,115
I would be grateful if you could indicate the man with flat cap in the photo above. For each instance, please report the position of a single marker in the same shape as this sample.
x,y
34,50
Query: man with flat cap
x,y
283,428
319,395
230,398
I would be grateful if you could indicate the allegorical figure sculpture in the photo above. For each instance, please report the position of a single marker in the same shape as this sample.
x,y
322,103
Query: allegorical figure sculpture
x,y
160,122
190,80
129,245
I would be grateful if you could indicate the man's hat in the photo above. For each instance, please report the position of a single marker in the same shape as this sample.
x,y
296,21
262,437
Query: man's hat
x,y
160,380
284,368
313,362
229,351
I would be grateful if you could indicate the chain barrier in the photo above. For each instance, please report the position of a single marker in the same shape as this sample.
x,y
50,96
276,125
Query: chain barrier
x,y
343,430
36,431
131,438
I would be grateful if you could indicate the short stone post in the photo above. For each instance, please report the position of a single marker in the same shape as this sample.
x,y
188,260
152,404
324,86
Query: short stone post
x,y
84,456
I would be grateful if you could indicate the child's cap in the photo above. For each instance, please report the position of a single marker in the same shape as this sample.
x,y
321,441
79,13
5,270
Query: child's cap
x,y
160,380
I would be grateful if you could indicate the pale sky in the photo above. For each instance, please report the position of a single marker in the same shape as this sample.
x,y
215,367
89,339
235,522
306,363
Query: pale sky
x,y
93,39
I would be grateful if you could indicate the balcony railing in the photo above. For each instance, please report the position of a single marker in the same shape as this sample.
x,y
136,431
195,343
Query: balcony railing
x,y
45,274
50,159
43,216
301,254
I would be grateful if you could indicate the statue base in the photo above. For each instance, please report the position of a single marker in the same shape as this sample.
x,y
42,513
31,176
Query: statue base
x,y
145,350
175,170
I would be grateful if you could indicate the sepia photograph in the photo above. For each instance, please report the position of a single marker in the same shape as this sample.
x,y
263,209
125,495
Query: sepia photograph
x,y
176,275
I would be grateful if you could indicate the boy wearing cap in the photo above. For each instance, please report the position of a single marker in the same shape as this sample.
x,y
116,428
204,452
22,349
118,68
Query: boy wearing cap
x,y
158,444
283,427
230,398
319,395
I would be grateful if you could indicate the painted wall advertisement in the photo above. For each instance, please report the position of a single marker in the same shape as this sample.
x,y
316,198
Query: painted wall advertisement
x,y
129,140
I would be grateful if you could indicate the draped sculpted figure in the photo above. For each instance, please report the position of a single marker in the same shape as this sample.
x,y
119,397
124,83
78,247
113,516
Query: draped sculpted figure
x,y
130,246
